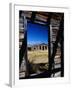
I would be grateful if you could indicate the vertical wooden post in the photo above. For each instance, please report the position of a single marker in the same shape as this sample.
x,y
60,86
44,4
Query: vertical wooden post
x,y
33,16
62,46
49,45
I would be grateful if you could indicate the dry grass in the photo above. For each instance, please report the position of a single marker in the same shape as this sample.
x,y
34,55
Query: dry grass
x,y
38,56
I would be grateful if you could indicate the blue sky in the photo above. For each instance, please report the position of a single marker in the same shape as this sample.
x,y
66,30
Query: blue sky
x,y
37,34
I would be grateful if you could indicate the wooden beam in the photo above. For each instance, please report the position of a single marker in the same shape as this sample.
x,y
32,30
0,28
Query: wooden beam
x,y
33,16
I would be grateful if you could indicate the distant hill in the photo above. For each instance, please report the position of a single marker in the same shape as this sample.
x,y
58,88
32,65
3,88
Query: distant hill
x,y
29,45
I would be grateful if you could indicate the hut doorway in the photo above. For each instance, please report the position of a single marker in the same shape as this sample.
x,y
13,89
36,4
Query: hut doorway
x,y
42,47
